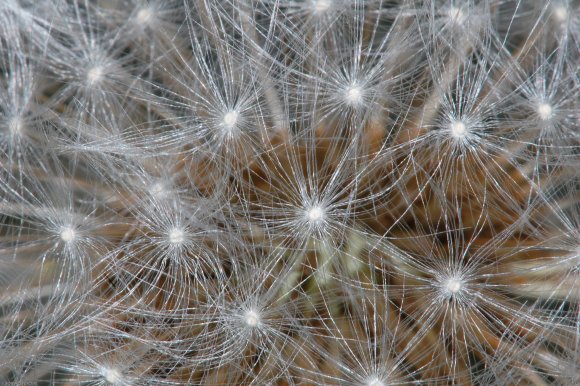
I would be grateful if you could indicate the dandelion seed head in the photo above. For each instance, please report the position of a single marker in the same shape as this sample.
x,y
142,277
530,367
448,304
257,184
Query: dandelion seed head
x,y
251,318
176,236
323,222
94,75
458,129
230,119
545,111
67,235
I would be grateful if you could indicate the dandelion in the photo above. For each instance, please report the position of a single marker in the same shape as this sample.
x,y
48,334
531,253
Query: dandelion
x,y
318,192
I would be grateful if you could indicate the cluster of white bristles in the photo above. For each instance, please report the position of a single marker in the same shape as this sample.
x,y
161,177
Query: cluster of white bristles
x,y
284,192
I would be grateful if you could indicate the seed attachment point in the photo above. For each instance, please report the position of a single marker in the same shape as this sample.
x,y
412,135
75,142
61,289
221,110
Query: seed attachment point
x,y
94,75
545,111
144,16
353,95
251,318
315,214
375,382
111,376
458,129
67,235
456,15
321,5
560,13
15,125
230,119
176,236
